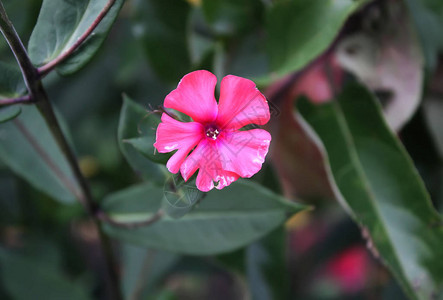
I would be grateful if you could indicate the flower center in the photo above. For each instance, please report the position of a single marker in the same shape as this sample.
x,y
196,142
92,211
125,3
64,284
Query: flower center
x,y
212,132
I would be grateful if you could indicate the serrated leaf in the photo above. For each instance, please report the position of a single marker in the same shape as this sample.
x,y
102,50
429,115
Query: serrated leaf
x,y
59,26
223,221
380,188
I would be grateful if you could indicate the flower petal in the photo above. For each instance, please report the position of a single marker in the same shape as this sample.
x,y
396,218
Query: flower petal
x,y
194,96
241,103
244,152
206,158
172,135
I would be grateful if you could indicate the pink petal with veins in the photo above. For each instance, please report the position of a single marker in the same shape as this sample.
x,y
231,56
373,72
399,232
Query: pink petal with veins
x,y
208,160
173,135
194,96
241,103
244,152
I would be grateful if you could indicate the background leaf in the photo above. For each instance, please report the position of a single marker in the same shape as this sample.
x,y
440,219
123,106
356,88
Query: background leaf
x,y
37,275
161,28
61,23
380,188
11,81
28,148
266,268
137,127
428,18
231,17
143,270
301,30
224,220
9,113
11,86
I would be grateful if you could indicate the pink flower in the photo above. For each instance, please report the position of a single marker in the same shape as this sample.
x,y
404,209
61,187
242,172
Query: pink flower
x,y
220,150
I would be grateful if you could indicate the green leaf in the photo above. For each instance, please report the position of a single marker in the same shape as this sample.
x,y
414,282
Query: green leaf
x,y
145,145
161,27
37,276
136,130
224,220
300,30
11,81
144,269
61,23
180,197
11,86
231,17
266,267
28,148
380,188
9,113
428,18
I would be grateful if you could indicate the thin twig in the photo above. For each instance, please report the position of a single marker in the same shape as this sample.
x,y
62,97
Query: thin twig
x,y
38,94
102,216
45,69
19,100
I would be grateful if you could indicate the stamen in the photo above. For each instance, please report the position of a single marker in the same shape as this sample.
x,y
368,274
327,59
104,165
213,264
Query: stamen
x,y
212,132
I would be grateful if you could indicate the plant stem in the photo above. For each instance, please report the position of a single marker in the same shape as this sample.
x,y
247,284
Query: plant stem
x,y
45,69
36,92
19,100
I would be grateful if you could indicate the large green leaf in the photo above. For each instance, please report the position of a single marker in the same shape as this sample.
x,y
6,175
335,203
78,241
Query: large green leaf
x,y
136,136
28,148
380,188
224,220
61,23
161,27
300,30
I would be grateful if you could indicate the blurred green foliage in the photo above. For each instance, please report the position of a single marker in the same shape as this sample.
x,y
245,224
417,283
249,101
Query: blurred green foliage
x,y
48,248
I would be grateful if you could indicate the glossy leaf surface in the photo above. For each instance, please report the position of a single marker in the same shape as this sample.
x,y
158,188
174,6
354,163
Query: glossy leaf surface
x,y
379,187
224,220
61,23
